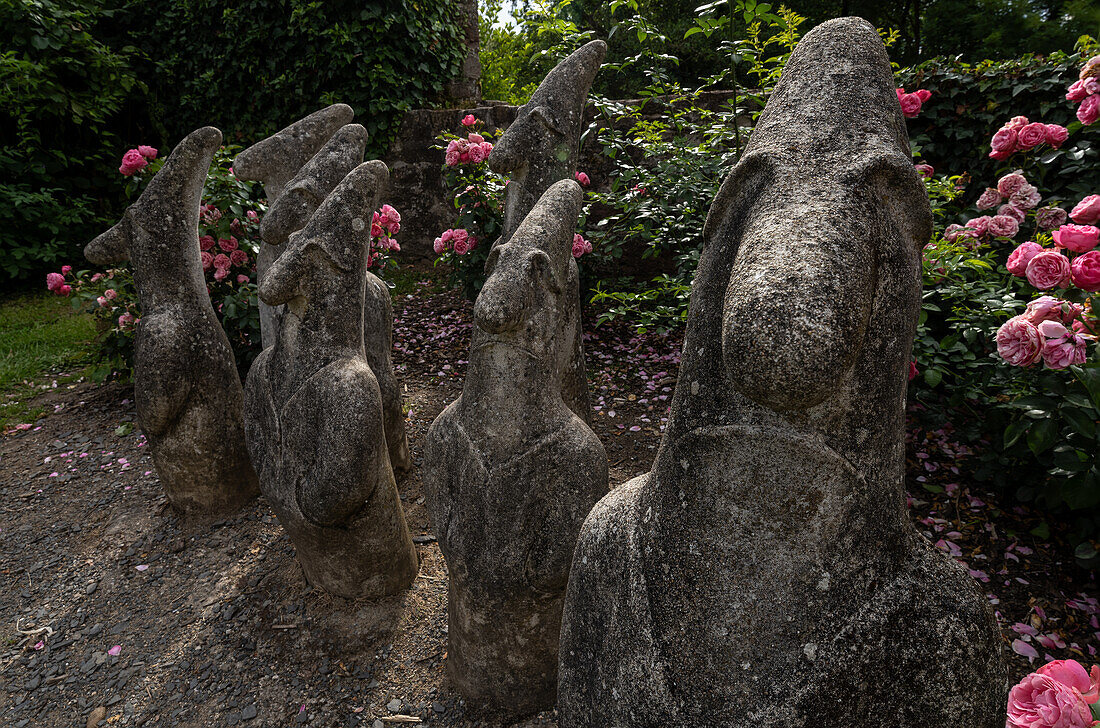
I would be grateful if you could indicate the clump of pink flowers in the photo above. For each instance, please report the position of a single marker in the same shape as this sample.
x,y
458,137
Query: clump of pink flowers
x,y
1018,135
135,160
471,150
911,102
458,241
1060,694
580,245
385,223
1086,92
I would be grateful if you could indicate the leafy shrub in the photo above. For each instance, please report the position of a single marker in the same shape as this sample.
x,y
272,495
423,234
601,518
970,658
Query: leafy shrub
x,y
63,92
504,54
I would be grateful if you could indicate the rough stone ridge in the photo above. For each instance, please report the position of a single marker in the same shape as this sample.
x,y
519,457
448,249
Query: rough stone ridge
x,y
186,388
313,410
510,471
274,161
540,148
301,196
765,572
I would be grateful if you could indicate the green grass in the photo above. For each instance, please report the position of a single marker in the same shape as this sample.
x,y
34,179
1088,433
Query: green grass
x,y
40,337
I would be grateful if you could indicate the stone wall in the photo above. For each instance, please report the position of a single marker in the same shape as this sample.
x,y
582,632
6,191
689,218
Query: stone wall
x,y
416,178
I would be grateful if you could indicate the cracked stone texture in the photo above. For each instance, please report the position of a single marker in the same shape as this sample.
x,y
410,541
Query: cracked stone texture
x,y
510,472
189,400
538,149
274,161
314,409
764,573
301,196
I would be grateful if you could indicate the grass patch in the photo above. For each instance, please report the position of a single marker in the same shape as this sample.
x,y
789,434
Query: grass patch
x,y
40,336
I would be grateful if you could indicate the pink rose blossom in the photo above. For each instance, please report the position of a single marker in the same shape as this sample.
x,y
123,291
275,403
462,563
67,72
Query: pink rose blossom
x,y
1072,674
220,274
54,281
1078,238
580,245
582,178
64,290
475,139
476,154
1032,135
1012,211
980,225
1084,271
125,319
452,157
1089,110
1062,347
207,260
1016,123
447,236
253,216
376,230
923,94
146,151
486,149
1049,308
989,199
955,231
1049,218
461,235
913,371
1019,342
910,104
1039,701
209,214
206,242
228,244
461,247
97,278
1003,226
1085,212
438,246
66,270
469,120
1047,269
390,213
1026,198
242,279
1021,256
101,301
221,261
1003,143
132,162
1091,85
1076,91
1011,183
1056,135
110,294
238,257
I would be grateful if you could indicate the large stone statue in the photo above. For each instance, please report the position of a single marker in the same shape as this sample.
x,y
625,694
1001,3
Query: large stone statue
x,y
510,471
765,573
314,410
186,388
300,197
540,148
274,161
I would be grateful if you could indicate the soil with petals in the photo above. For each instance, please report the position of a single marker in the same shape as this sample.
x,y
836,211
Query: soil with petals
x,y
114,608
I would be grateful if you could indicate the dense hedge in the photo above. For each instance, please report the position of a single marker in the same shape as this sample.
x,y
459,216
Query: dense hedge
x,y
970,102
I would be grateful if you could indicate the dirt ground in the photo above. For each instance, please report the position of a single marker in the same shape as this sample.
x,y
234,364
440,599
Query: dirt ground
x,y
115,610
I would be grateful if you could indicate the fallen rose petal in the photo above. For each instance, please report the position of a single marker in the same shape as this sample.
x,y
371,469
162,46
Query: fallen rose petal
x,y
1023,648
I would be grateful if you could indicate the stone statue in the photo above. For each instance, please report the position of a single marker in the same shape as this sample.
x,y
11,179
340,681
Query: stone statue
x,y
314,410
765,572
188,394
510,472
274,161
300,197
540,148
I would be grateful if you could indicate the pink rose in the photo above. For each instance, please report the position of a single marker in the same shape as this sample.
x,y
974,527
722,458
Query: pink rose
x,y
228,244
980,225
206,242
461,247
207,260
54,281
132,162
1062,347
236,228
1003,226
64,290
125,319
390,213
1019,342
486,149
955,231
1032,135
923,94
220,274
1056,135
461,235
1016,123
1039,701
238,257
1091,85
1076,91
376,230
1011,183
989,199
222,262
1078,238
475,139
580,245
1089,110
910,105
209,215
101,301
913,371
452,157
242,279
469,120
66,270
1085,212
476,154
1047,269
1072,674
582,178
1012,211
1021,256
1049,218
1026,198
1049,308
395,227
1084,271
447,236
97,278
1003,142
146,151
110,294
438,246
253,216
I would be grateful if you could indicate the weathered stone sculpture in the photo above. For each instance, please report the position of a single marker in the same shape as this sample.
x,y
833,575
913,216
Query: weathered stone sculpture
x,y
314,410
540,148
300,198
510,472
274,161
765,573
188,395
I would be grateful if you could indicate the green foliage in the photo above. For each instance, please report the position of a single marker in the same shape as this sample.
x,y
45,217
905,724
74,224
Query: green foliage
x,y
504,53
250,67
62,92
